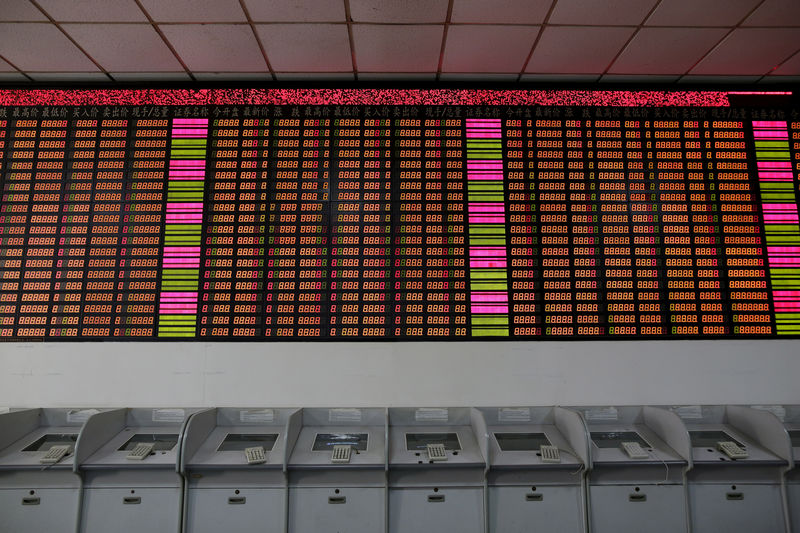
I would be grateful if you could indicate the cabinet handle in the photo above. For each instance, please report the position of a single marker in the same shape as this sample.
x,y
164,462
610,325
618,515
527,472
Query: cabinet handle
x,y
637,497
436,498
131,500
237,500
736,496
31,500
336,500
533,497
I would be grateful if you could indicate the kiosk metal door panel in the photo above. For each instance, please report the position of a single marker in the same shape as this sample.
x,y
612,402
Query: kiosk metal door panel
x,y
50,510
651,509
793,497
148,510
448,509
521,510
351,510
745,509
216,510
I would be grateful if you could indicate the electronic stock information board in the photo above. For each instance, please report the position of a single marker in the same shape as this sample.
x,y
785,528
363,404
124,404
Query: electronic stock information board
x,y
387,214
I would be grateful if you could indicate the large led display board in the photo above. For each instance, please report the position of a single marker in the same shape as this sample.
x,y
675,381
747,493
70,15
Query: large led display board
x,y
380,214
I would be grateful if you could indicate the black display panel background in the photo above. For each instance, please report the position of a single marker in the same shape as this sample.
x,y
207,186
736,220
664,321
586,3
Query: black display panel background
x,y
133,113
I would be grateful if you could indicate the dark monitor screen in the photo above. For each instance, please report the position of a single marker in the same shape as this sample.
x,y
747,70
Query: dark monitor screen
x,y
237,442
163,441
795,436
420,441
709,439
521,442
326,441
46,442
613,439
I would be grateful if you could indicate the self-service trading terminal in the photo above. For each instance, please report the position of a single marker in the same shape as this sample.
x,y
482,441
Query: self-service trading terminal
x,y
437,470
537,460
234,463
337,470
740,455
790,415
130,466
39,490
639,457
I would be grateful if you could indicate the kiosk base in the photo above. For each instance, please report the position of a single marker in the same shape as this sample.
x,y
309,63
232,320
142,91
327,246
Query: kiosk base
x,y
650,509
235,510
744,509
553,509
448,509
793,498
344,510
38,510
131,510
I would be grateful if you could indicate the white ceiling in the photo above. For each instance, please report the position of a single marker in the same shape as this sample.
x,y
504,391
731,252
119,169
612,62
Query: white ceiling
x,y
660,41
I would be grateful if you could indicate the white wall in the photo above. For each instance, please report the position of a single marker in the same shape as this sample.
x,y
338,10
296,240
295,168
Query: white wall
x,y
399,374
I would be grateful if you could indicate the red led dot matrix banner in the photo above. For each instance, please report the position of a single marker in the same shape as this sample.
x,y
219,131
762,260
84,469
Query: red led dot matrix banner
x,y
398,214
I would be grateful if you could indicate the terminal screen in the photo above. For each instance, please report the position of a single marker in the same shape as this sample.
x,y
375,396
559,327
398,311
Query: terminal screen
x,y
709,439
420,441
162,442
359,214
46,442
326,441
521,442
613,439
238,442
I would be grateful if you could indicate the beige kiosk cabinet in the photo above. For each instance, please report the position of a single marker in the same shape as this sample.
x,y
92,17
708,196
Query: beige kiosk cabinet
x,y
126,491
790,416
337,470
234,462
40,493
639,457
437,470
739,490
537,461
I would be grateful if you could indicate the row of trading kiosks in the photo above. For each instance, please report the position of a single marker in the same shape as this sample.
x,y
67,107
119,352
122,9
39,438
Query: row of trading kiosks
x,y
401,470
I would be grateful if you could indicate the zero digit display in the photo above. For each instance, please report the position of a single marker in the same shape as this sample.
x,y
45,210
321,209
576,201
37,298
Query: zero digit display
x,y
618,164
740,220
361,226
233,259
142,221
402,215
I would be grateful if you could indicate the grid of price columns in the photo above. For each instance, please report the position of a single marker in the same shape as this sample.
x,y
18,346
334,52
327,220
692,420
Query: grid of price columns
x,y
482,223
